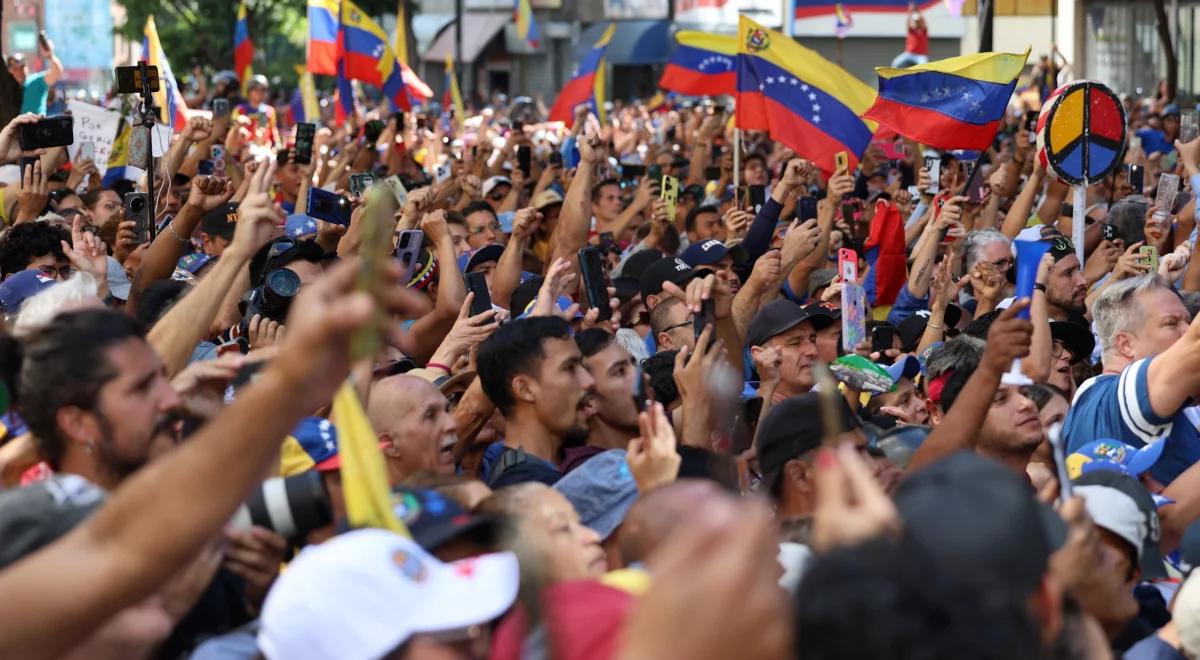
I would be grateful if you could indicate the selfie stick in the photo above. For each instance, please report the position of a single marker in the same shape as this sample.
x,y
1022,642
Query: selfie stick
x,y
147,120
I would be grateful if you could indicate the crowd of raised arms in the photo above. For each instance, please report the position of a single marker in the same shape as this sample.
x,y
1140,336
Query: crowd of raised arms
x,y
640,387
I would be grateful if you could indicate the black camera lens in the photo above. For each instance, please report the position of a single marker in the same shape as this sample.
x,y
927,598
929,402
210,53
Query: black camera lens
x,y
137,204
283,282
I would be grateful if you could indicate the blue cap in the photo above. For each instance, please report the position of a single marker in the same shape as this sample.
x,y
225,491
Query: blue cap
x,y
1170,109
299,225
506,221
192,263
21,286
318,438
602,491
705,253
906,366
470,260
1114,455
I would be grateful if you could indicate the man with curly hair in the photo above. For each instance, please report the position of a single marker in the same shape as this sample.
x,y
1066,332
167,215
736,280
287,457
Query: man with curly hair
x,y
35,246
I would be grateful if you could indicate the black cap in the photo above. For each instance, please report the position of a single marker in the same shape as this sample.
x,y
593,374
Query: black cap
x,y
638,262
435,519
1152,559
627,288
980,520
792,428
1077,338
824,314
221,221
911,328
776,317
669,269
36,515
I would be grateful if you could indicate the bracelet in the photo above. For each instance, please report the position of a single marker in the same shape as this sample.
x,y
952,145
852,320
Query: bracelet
x,y
1038,286
935,326
437,365
171,228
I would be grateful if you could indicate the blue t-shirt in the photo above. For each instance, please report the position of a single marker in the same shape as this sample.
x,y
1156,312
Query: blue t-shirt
x,y
1117,406
34,99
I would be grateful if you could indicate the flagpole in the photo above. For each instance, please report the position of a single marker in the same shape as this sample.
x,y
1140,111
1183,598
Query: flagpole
x,y
737,158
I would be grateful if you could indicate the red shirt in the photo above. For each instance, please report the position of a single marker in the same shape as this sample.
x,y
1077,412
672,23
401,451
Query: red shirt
x,y
917,41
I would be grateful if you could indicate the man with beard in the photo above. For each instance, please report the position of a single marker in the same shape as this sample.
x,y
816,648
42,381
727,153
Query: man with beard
x,y
533,371
96,396
413,417
615,373
1066,289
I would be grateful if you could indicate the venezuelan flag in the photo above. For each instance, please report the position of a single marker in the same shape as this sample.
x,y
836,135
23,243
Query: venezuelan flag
x,y
304,107
171,108
400,39
801,99
453,97
343,96
323,36
956,103
243,48
527,28
702,65
364,474
843,21
586,84
118,158
366,56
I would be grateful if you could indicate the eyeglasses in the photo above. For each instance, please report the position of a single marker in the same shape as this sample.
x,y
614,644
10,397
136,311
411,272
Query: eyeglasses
x,y
1004,264
497,196
64,272
1058,349
495,227
690,321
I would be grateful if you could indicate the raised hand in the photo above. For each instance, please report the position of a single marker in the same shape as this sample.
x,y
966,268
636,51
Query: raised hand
x,y
652,456
34,193
258,219
209,192
851,505
801,240
87,253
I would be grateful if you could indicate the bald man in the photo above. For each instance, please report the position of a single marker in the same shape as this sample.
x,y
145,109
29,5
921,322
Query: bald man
x,y
657,513
413,417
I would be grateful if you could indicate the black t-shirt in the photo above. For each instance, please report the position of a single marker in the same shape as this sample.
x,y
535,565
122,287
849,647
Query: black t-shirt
x,y
514,466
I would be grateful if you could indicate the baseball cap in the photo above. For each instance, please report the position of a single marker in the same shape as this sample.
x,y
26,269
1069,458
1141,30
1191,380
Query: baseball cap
x,y
118,280
1170,109
638,262
22,286
34,516
1078,339
980,521
824,314
602,490
912,328
792,428
1109,454
312,445
490,252
547,198
362,594
222,221
434,519
776,317
490,184
1115,511
193,262
1149,555
705,253
299,225
820,278
906,366
667,269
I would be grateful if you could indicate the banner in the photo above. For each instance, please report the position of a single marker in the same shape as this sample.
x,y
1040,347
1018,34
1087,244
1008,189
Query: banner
x,y
96,125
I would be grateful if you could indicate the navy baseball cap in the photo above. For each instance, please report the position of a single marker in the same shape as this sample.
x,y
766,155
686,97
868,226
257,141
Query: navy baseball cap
x,y
777,317
21,286
490,252
434,519
704,253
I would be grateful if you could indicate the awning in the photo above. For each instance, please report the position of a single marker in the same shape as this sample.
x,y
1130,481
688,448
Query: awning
x,y
634,42
479,29
425,28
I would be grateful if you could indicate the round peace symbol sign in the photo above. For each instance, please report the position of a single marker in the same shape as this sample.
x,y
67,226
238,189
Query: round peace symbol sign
x,y
1081,132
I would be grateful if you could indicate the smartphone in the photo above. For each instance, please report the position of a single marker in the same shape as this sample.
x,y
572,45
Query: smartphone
x,y
87,151
854,315
399,119
1031,120
525,159
305,132
881,340
669,193
329,207
1164,198
595,281
555,158
422,122
372,130
1136,176
757,197
216,154
1189,125
841,161
477,284
137,209
441,173
1109,232
706,316
408,248
806,208
360,182
47,133
607,240
849,213
654,172
712,173
394,184
1148,254
43,40
205,167
220,108
933,163
973,191
848,265
633,171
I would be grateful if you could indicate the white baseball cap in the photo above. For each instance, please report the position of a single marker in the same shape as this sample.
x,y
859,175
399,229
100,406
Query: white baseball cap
x,y
364,593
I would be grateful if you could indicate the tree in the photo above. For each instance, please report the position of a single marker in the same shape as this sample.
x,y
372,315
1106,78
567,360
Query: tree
x,y
1168,46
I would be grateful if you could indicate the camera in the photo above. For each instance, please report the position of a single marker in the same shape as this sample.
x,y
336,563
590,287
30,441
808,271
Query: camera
x,y
272,299
289,506
137,209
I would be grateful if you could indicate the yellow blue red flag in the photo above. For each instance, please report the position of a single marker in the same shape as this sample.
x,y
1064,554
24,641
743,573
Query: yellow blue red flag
x,y
801,99
527,28
956,103
586,84
243,48
168,100
703,64
323,36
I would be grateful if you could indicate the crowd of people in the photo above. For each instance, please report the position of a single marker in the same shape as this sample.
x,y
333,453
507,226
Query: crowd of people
x,y
674,454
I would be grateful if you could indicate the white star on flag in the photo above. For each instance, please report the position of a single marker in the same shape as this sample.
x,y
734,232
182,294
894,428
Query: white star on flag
x,y
966,96
804,88
816,108
770,80
795,81
816,119
812,96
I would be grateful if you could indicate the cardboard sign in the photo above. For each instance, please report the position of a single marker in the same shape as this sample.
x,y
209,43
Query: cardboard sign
x,y
94,125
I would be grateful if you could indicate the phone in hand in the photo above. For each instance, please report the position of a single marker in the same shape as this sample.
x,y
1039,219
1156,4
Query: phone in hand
x,y
632,171
1148,255
1031,120
394,184
205,167
441,173
1136,176
216,154
806,208
595,280
372,130
305,132
848,265
46,133
220,108
933,164
87,151
841,161
399,119
329,207
669,193
525,159
1109,232
654,172
757,197
882,337
1164,198
408,248
360,182
706,316
137,209
555,158
477,284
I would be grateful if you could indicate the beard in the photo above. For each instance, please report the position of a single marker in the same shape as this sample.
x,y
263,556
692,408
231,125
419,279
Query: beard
x,y
119,463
